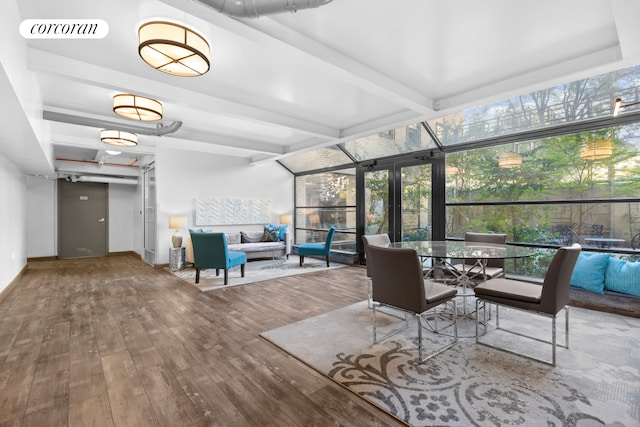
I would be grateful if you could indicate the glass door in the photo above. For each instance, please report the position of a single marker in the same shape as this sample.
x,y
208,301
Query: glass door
x,y
416,202
150,224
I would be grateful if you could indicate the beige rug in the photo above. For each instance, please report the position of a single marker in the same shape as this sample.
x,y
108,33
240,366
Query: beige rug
x,y
595,383
255,271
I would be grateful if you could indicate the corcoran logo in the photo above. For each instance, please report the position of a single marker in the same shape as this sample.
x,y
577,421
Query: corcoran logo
x,y
64,28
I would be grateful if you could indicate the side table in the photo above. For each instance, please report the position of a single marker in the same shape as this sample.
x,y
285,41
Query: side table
x,y
176,258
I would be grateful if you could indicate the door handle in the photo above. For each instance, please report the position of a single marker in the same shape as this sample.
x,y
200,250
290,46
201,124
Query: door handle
x,y
101,220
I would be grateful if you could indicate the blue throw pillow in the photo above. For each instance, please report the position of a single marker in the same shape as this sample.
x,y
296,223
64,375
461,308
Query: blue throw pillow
x,y
589,271
283,230
623,276
271,233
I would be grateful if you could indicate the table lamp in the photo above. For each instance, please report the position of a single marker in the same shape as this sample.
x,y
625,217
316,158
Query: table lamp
x,y
177,222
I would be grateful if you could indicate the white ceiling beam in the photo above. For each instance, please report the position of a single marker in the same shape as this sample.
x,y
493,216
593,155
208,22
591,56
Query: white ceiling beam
x,y
626,13
267,32
112,79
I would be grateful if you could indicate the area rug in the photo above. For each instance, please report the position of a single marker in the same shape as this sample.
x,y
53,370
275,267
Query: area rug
x,y
255,271
595,382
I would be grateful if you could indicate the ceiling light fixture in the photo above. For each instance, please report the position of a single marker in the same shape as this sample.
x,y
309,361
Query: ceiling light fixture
x,y
173,49
597,150
509,160
118,138
113,152
136,107
619,105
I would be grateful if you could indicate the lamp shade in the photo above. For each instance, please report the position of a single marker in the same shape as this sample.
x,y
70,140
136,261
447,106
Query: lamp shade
x,y
119,138
136,107
173,49
597,150
286,219
177,222
509,160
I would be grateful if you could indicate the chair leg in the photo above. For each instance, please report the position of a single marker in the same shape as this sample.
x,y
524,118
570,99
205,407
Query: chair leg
x,y
301,260
197,275
226,276
217,271
242,270
374,323
327,260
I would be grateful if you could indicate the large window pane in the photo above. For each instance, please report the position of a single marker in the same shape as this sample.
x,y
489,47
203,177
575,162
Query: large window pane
x,y
594,225
580,100
416,202
324,200
316,159
376,202
398,141
587,165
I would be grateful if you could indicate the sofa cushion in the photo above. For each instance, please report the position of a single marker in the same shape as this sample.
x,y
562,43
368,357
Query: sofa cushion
x,y
233,238
589,270
251,236
622,276
271,233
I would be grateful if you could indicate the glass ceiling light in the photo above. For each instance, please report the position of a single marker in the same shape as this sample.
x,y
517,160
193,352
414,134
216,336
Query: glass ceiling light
x,y
509,160
597,150
118,138
173,49
137,107
113,152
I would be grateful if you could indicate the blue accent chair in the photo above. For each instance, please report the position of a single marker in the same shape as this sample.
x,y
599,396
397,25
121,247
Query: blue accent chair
x,y
317,249
210,250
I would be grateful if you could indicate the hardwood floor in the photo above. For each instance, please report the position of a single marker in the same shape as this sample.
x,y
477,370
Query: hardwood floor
x,y
114,342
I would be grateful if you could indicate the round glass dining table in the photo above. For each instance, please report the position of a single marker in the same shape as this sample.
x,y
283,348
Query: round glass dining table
x,y
460,249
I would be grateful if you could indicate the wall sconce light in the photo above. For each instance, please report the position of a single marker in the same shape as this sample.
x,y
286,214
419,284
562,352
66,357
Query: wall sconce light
x,y
509,160
173,49
136,107
119,138
177,223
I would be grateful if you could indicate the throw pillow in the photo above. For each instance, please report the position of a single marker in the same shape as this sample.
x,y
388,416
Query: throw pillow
x,y
589,271
283,230
233,238
251,236
271,233
622,276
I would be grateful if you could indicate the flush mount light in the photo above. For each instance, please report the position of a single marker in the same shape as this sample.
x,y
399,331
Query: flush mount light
x,y
118,138
113,152
136,107
173,49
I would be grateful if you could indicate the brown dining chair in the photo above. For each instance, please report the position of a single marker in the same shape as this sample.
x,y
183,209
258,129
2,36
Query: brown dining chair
x,y
547,299
473,267
374,240
397,282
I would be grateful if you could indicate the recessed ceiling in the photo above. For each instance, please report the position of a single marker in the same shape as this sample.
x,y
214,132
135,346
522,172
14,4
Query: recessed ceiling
x,y
288,82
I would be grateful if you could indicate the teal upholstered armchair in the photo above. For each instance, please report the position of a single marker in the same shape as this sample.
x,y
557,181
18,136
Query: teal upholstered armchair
x,y
317,249
210,251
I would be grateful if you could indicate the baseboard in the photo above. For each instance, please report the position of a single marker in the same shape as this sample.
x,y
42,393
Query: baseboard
x,y
42,258
6,291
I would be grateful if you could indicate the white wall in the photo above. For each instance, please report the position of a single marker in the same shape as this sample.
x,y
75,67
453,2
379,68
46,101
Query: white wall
x,y
41,217
13,221
183,176
121,217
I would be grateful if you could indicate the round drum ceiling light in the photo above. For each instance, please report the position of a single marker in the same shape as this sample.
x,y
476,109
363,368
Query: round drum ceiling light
x,y
597,150
137,107
509,160
119,138
173,49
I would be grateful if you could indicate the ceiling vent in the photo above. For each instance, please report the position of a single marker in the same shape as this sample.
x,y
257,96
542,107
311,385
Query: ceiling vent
x,y
258,8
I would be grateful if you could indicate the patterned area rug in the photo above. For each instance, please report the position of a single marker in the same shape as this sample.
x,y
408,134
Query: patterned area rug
x,y
595,382
255,271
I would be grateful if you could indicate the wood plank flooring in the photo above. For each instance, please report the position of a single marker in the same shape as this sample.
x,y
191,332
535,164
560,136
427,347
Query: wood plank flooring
x,y
114,342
